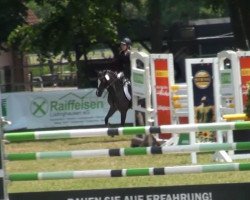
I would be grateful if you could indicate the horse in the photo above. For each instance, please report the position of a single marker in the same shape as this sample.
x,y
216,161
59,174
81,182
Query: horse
x,y
114,83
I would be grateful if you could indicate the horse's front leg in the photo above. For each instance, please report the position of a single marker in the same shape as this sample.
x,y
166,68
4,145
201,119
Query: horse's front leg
x,y
110,113
123,117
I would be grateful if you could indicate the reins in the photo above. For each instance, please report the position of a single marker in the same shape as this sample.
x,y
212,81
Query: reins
x,y
112,82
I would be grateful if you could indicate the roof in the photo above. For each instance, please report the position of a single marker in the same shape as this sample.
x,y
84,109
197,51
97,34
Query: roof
x,y
199,22
31,18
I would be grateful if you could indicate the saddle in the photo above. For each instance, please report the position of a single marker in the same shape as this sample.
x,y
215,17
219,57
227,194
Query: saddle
x,y
126,85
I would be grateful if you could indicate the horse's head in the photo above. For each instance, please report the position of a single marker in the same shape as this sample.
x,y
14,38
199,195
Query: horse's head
x,y
105,79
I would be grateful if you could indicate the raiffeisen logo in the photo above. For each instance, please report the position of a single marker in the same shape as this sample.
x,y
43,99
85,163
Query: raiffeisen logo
x,y
72,104
39,107
67,105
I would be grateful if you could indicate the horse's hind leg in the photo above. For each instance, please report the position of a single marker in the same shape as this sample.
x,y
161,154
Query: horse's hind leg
x,y
136,142
110,113
149,140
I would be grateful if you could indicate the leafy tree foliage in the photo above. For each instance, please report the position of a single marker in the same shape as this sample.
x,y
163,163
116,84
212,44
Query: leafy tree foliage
x,y
183,10
12,14
162,14
42,10
240,19
238,10
77,25
74,24
70,25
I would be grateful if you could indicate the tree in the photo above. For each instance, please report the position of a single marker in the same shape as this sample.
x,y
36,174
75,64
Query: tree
x,y
77,25
160,15
240,19
155,19
12,14
73,25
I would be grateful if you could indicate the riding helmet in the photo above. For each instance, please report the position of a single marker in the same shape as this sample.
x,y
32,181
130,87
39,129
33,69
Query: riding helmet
x,y
126,41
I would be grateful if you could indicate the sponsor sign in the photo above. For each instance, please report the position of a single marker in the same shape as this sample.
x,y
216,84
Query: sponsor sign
x,y
139,85
243,135
245,76
203,94
238,191
38,110
162,93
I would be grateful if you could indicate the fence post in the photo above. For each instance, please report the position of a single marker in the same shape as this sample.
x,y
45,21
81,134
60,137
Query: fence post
x,y
3,184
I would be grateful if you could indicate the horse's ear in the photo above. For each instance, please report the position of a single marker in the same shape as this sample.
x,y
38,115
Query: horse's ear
x,y
98,72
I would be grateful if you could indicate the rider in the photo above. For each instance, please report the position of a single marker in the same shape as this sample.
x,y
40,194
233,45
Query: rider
x,y
124,57
124,67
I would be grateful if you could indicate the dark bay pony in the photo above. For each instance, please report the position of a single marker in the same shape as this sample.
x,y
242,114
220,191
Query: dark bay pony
x,y
114,82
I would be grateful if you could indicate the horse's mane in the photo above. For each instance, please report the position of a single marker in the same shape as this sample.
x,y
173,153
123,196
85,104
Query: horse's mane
x,y
107,71
115,74
112,72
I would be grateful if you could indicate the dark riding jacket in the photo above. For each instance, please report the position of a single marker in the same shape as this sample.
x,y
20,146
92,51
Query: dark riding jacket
x,y
124,63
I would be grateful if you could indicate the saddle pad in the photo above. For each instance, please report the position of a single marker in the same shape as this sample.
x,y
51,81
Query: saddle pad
x,y
126,92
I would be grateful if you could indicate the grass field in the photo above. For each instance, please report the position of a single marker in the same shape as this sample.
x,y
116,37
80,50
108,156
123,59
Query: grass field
x,y
108,163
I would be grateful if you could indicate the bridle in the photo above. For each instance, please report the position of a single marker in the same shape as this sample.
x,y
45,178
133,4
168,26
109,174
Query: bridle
x,y
111,82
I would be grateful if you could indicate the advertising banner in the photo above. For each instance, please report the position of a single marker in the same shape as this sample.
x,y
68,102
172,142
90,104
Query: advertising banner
x,y
69,108
239,191
243,135
162,93
203,98
245,76
139,85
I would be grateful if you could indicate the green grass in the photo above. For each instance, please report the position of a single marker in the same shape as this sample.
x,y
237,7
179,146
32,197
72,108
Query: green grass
x,y
108,163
